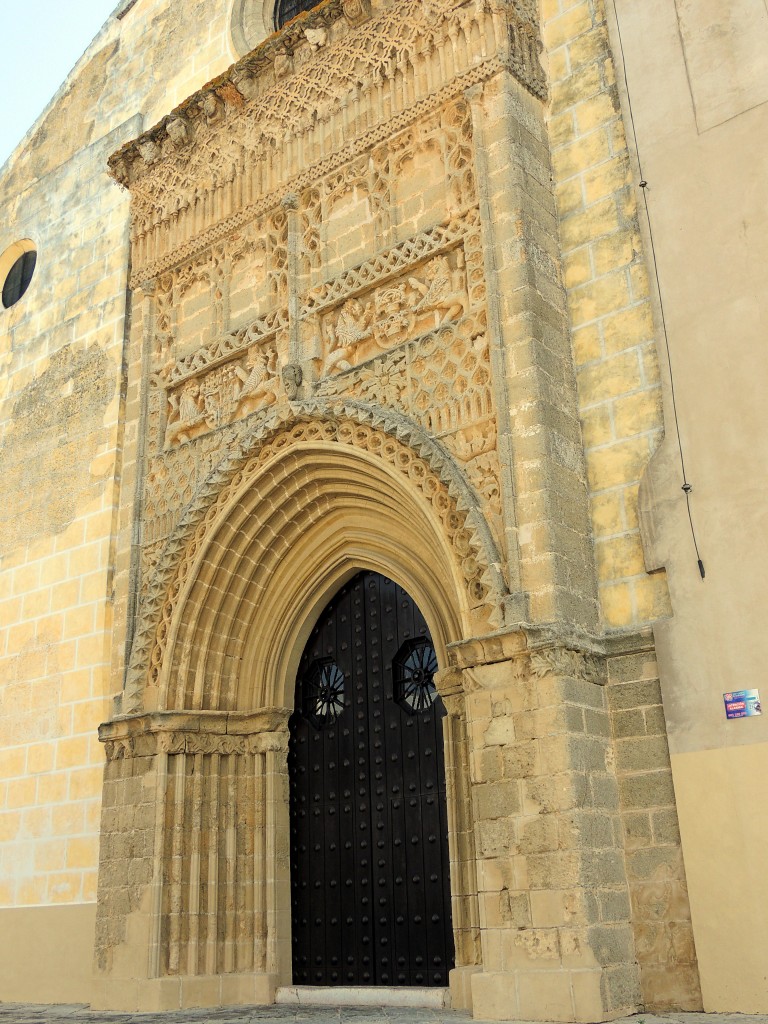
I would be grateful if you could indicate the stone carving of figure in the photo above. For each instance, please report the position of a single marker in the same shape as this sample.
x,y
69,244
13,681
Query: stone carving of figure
x,y
292,378
186,414
352,326
444,290
258,380
316,37
220,391
178,132
212,107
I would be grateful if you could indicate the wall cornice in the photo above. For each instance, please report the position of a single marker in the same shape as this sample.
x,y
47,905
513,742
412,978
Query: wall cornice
x,y
232,150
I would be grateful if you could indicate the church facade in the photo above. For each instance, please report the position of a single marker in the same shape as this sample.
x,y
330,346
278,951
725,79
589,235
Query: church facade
x,y
352,614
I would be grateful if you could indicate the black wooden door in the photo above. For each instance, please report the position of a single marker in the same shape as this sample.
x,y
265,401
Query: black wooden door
x,y
370,883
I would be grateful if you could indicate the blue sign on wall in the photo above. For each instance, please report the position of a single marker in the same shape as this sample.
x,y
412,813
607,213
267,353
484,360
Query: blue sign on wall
x,y
742,704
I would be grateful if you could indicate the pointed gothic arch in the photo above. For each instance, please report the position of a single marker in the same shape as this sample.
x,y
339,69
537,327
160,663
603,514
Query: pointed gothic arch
x,y
278,527
296,505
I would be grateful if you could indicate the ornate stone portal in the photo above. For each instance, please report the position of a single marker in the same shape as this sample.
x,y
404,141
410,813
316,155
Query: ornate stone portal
x,y
350,351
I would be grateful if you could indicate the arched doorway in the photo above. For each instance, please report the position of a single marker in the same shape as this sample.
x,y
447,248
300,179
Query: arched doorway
x,y
370,885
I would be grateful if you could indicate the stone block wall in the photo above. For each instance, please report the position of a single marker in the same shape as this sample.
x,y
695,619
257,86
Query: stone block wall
x,y
61,353
661,916
609,300
61,403
554,904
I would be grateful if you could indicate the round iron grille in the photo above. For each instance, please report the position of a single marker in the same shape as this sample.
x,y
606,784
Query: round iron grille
x,y
414,670
323,697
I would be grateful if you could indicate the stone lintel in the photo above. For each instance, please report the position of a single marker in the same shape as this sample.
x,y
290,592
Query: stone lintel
x,y
203,732
524,639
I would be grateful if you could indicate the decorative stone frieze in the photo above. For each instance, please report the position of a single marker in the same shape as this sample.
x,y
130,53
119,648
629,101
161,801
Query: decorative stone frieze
x,y
396,65
179,732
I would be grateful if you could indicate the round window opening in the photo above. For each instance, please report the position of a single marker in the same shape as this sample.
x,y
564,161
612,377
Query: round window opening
x,y
17,265
287,10
252,21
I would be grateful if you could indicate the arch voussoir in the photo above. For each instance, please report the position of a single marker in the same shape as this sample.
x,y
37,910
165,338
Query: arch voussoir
x,y
428,477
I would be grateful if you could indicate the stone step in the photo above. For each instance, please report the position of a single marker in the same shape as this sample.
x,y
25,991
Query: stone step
x,y
342,995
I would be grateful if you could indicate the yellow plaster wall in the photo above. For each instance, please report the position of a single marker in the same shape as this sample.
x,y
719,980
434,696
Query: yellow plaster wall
x,y
725,836
698,96
46,953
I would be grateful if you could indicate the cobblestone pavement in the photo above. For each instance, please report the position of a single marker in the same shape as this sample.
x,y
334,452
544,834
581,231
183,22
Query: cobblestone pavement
x,y
28,1013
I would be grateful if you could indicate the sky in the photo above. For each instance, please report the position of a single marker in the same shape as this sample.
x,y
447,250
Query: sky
x,y
40,43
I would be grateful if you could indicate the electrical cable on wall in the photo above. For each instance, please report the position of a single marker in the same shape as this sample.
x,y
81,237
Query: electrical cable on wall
x,y
686,486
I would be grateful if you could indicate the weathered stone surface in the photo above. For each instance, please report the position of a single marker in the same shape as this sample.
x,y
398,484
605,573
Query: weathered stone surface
x,y
347,342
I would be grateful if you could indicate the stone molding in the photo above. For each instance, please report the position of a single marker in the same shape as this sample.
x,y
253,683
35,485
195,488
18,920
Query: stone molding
x,y
539,651
195,732
148,268
394,36
378,269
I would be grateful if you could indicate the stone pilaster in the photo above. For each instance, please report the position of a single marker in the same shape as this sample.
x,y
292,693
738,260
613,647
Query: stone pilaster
x,y
539,435
661,913
461,840
194,860
554,905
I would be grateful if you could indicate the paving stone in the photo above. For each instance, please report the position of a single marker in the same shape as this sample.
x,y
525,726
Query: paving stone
x,y
20,1013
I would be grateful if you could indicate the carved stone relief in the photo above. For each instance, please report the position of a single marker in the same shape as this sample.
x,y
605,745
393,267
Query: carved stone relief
x,y
394,313
228,392
368,286
298,103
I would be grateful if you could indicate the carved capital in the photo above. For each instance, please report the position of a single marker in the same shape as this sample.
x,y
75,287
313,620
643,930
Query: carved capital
x,y
195,732
290,201
564,662
116,750
450,686
148,288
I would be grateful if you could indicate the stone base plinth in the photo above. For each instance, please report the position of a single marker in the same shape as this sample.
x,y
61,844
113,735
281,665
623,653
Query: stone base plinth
x,y
185,992
559,995
460,986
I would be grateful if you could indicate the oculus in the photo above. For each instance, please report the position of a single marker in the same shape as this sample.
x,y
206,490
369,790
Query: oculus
x,y
17,265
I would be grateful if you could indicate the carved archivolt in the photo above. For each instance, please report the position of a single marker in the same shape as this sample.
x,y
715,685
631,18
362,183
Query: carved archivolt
x,y
385,435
